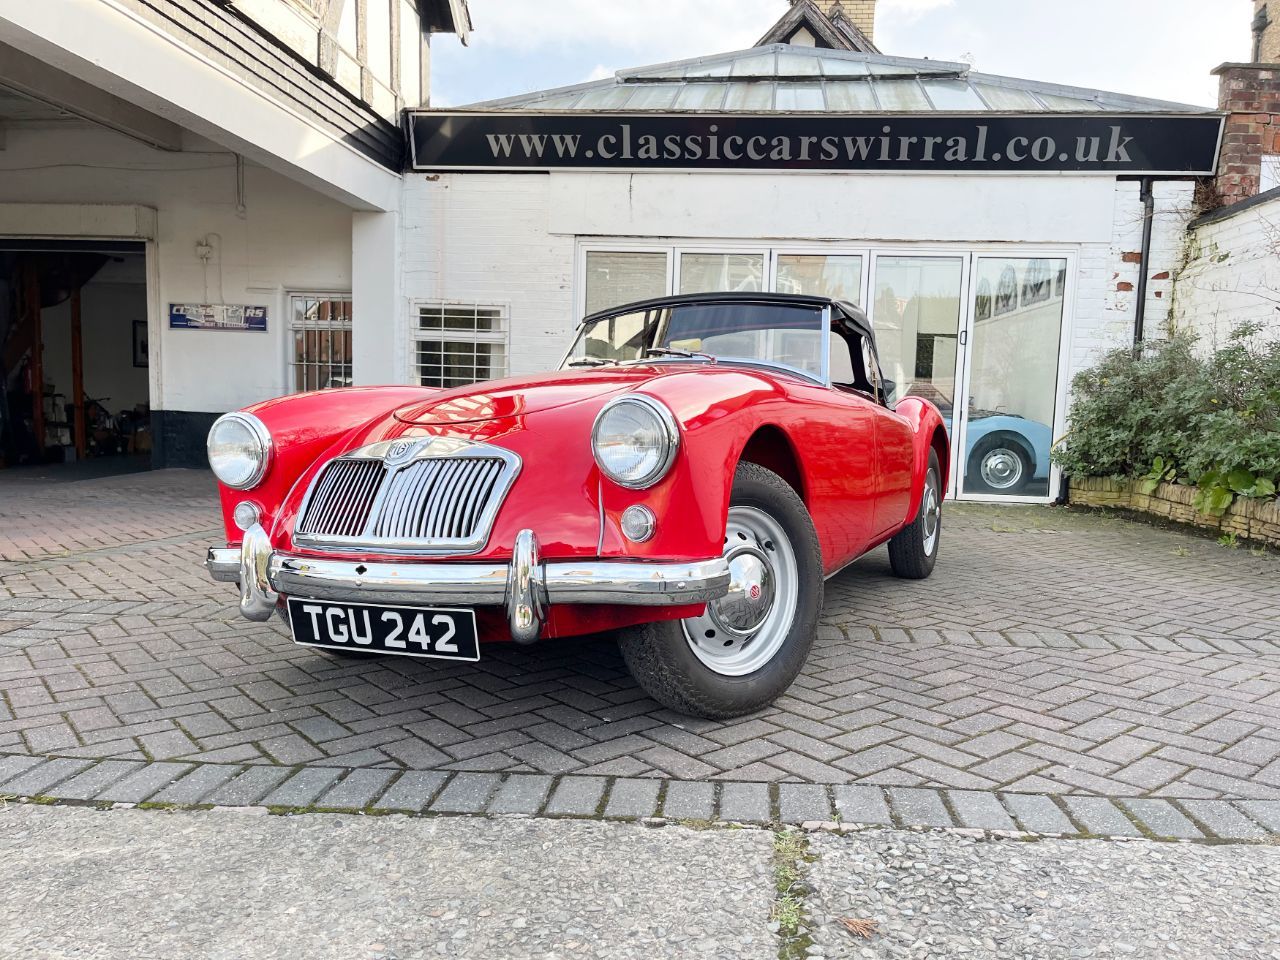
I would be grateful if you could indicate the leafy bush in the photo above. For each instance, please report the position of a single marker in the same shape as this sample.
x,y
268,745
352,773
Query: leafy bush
x,y
1163,412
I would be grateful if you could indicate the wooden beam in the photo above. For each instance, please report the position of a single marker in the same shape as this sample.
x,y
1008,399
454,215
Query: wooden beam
x,y
77,374
31,304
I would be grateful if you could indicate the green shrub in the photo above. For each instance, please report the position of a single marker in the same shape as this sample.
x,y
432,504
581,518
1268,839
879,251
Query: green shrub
x,y
1165,412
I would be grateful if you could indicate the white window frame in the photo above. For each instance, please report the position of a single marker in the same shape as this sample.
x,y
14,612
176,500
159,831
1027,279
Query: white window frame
x,y
1269,173
418,335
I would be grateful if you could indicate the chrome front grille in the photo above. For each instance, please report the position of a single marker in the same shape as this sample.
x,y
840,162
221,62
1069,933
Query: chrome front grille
x,y
342,499
437,499
431,495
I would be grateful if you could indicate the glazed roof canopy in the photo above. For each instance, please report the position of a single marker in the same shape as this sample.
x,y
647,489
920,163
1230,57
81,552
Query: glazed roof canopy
x,y
781,78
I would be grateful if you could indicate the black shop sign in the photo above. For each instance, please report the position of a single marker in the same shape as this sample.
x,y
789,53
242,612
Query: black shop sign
x,y
1171,145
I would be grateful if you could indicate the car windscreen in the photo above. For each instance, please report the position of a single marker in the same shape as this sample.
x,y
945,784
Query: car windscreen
x,y
775,333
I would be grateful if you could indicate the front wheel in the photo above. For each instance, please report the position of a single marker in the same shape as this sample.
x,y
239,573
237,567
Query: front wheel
x,y
748,646
914,549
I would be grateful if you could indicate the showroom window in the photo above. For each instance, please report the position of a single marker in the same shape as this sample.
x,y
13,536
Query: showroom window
x,y
320,326
704,272
838,277
615,277
456,344
976,331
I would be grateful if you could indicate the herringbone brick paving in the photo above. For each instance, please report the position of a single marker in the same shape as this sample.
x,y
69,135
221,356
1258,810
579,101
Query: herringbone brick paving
x,y
1051,653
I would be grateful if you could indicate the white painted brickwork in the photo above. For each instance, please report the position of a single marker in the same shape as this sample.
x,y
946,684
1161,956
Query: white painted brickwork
x,y
1106,291
1232,275
485,238
482,238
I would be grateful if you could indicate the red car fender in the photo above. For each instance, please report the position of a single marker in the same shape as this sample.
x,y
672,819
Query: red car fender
x,y
692,502
302,427
930,434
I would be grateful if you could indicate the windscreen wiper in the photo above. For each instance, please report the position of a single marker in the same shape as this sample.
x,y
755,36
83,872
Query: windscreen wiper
x,y
673,352
592,362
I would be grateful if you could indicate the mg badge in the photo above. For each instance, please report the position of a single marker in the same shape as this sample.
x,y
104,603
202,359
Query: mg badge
x,y
401,451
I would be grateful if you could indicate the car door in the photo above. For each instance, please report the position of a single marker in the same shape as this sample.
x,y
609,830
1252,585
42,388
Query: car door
x,y
849,447
895,449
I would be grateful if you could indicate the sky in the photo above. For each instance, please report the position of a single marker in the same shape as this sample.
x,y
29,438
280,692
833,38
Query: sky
x,y
1162,49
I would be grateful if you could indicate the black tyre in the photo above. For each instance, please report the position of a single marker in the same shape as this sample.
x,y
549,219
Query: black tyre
x,y
999,466
914,550
748,647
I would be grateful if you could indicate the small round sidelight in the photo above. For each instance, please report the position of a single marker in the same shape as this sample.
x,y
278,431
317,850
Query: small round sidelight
x,y
638,523
246,514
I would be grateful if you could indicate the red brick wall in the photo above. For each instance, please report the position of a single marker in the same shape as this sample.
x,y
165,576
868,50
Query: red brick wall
x,y
1250,93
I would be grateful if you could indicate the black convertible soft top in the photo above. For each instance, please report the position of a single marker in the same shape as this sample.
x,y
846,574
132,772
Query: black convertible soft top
x,y
842,310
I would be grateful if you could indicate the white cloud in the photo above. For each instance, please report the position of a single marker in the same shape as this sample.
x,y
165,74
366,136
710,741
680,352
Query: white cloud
x,y
600,72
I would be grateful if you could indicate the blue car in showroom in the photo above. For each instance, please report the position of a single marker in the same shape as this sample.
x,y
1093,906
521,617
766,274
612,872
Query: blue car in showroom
x,y
1004,453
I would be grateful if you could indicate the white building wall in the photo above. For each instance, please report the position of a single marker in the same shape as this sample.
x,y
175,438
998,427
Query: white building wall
x,y
511,239
1232,274
286,238
485,238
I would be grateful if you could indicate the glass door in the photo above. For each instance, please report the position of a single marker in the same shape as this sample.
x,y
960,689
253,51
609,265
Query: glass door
x,y
1010,400
916,309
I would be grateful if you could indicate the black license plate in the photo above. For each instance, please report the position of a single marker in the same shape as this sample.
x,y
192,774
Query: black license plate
x,y
447,634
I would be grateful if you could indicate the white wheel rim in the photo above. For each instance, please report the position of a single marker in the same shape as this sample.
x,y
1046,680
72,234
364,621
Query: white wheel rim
x,y
931,510
741,632
1001,468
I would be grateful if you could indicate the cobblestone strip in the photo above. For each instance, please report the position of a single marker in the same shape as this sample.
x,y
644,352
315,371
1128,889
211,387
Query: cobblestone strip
x,y
813,806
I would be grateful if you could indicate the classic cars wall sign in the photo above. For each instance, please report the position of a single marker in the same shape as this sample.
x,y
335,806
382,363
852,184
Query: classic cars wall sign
x,y
1175,145
217,316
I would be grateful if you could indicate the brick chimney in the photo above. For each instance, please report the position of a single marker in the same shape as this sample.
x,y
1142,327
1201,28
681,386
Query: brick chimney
x,y
1266,31
861,13
1249,93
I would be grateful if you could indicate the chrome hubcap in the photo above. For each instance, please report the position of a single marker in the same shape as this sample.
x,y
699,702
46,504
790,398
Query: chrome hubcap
x,y
1001,468
750,596
931,509
743,630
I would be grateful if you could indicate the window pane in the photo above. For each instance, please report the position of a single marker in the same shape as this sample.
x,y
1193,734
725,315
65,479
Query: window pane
x,y
460,344
838,277
321,342
617,278
916,313
707,272
455,363
1013,383
619,338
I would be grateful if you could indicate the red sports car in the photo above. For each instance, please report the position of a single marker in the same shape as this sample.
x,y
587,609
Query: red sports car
x,y
689,478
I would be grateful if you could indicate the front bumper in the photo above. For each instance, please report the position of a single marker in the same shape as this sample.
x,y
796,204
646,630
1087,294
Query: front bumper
x,y
525,586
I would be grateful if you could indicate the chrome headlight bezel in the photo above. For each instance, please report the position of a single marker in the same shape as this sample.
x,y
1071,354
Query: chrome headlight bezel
x,y
263,449
663,419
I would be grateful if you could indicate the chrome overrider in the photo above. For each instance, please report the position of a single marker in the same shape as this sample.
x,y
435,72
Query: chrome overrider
x,y
526,586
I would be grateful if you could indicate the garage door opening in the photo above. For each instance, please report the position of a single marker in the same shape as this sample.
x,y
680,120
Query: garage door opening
x,y
74,358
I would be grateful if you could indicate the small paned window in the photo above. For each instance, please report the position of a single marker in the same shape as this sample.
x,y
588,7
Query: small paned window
x,y
457,344
321,331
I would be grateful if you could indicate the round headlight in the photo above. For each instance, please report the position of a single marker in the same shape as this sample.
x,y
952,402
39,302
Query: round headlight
x,y
239,450
635,439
